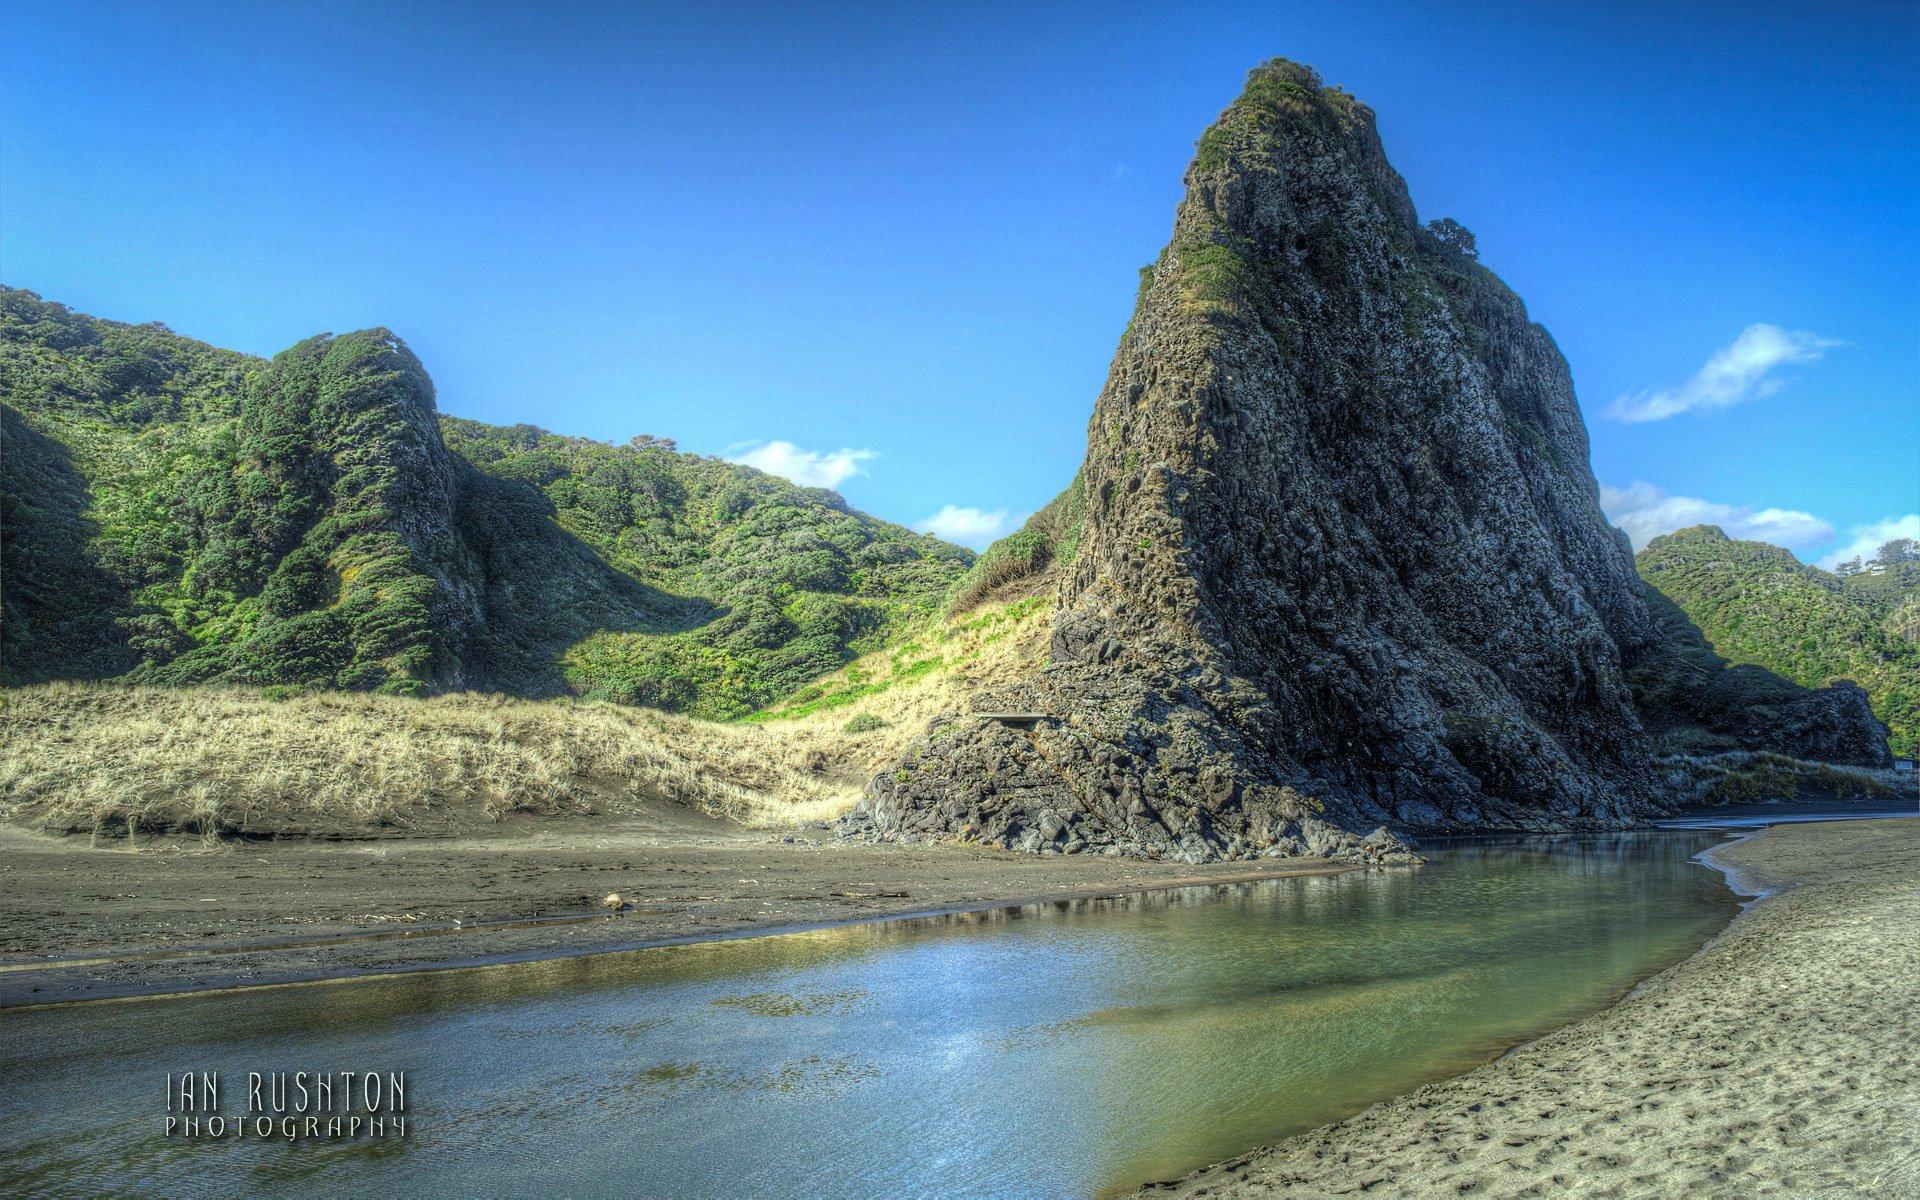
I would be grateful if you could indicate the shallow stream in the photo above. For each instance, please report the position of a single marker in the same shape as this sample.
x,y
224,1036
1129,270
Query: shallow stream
x,y
1063,1049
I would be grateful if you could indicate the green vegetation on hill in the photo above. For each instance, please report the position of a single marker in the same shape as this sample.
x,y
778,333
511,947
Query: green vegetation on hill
x,y
790,582
312,542
937,648
101,421
1759,606
183,514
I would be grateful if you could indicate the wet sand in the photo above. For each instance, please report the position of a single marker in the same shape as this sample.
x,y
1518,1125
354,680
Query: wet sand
x,y
1783,1059
81,921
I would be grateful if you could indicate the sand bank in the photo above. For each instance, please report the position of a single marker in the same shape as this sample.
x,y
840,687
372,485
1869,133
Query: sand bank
x,y
1782,1059
89,922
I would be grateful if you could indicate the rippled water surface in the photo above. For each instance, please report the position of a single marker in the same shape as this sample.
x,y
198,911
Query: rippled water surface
x,y
1053,1050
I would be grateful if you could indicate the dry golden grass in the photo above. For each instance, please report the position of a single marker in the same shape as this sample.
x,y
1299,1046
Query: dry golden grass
x,y
906,686
230,760
234,761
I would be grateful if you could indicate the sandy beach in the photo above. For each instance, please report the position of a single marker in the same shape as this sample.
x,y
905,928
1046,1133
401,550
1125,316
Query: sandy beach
x,y
1781,1060
84,920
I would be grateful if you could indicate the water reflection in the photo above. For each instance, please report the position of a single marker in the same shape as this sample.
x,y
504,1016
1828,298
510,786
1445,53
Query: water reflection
x,y
1071,1048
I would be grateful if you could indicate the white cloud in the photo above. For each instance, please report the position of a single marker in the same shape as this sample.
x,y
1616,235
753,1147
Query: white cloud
x,y
1646,512
1869,538
808,468
969,526
1737,372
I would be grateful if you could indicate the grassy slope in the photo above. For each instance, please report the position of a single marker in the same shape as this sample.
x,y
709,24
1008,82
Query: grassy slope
x,y
1757,605
191,515
1026,562
233,760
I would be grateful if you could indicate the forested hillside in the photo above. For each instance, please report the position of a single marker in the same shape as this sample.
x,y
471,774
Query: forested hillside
x,y
1759,606
787,582
183,514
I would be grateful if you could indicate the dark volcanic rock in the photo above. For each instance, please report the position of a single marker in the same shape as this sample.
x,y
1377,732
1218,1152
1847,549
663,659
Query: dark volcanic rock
x,y
1831,724
1343,560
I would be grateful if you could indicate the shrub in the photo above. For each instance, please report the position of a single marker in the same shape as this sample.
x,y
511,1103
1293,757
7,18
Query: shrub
x,y
1051,536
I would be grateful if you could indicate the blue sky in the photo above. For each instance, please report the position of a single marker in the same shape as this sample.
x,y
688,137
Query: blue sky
x,y
893,246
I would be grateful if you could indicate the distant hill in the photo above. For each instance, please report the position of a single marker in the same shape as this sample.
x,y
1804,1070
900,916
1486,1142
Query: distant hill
x,y
1758,606
178,513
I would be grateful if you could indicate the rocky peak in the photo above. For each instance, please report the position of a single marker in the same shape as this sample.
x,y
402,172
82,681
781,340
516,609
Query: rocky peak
x,y
1343,559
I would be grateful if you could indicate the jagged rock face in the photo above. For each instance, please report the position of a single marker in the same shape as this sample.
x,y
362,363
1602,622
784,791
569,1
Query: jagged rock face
x,y
1831,724
1343,559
